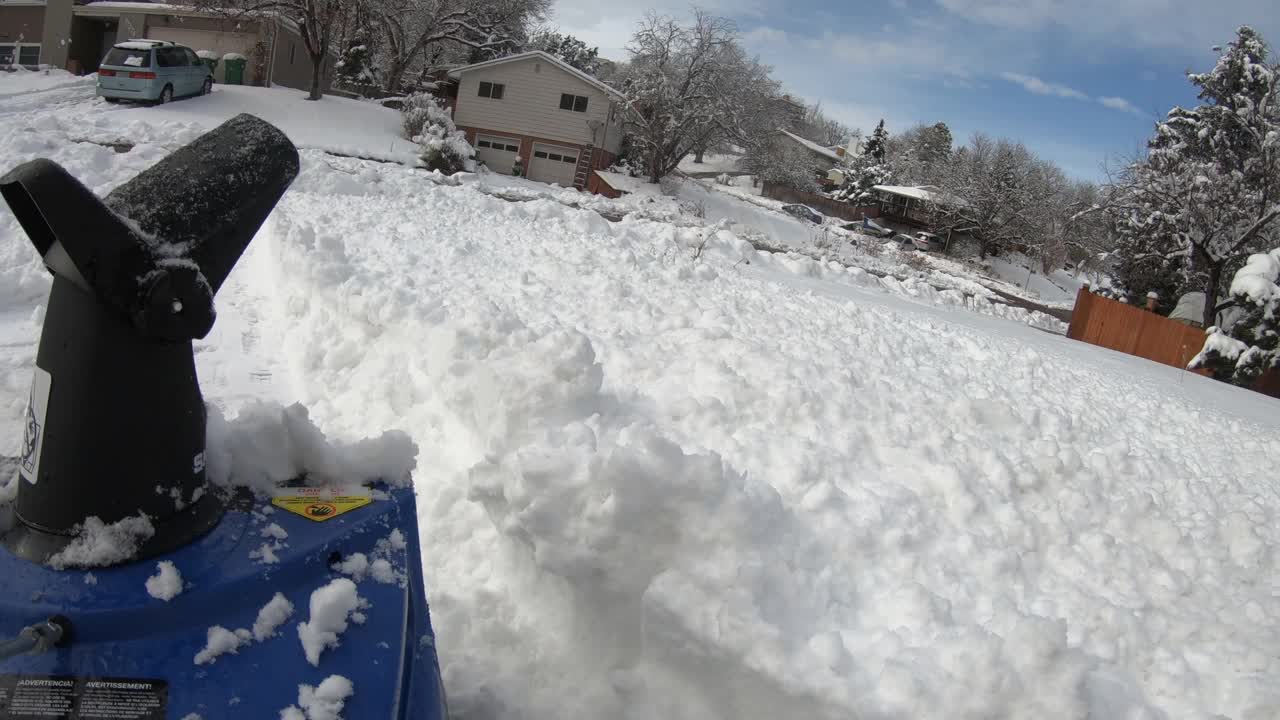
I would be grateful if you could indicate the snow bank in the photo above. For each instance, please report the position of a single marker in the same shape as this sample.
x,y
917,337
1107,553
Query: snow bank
x,y
166,584
97,544
753,484
331,607
22,81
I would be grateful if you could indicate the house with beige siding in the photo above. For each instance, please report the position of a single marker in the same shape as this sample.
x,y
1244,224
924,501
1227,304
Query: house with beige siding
x,y
560,122
76,35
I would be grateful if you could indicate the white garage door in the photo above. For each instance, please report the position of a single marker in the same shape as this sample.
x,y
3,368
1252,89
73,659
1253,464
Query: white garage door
x,y
553,164
497,153
219,42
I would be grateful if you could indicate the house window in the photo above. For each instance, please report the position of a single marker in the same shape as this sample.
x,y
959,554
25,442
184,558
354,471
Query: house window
x,y
23,54
576,103
492,91
496,144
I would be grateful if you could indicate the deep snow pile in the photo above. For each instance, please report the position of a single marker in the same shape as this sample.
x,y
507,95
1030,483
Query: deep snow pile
x,y
740,485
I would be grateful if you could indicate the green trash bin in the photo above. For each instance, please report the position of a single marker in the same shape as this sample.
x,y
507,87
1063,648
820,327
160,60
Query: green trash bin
x,y
209,58
235,65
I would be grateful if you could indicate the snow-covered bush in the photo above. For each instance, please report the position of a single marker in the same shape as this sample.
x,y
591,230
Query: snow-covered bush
x,y
444,147
1250,347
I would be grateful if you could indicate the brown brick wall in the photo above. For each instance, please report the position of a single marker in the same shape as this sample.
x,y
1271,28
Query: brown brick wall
x,y
24,22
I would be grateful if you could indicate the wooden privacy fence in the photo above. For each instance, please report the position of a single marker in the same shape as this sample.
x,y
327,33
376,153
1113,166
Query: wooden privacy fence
x,y
1115,325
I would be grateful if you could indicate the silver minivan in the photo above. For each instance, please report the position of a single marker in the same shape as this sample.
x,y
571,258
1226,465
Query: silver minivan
x,y
152,71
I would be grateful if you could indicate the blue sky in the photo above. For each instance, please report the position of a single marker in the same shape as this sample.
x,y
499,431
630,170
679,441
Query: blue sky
x,y
1078,81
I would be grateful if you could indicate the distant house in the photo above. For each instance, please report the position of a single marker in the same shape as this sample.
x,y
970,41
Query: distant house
x,y
76,36
911,203
823,156
559,121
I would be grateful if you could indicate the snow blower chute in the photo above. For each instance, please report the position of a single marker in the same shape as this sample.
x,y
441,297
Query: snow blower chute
x,y
133,588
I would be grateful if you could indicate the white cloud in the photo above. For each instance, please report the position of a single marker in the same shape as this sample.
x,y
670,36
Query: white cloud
x,y
1035,85
1119,103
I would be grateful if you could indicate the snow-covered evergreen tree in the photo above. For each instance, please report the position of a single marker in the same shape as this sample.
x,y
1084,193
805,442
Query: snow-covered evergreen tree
x,y
1207,192
864,171
356,64
1252,345
877,144
861,174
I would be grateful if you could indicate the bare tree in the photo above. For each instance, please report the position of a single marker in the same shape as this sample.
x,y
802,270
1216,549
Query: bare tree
x,y
428,33
988,192
689,87
319,23
817,126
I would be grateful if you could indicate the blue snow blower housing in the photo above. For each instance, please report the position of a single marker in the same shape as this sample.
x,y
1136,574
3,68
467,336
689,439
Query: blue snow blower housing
x,y
112,472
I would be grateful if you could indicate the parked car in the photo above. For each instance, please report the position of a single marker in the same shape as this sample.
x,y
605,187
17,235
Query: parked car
x,y
152,71
904,242
870,227
929,242
804,212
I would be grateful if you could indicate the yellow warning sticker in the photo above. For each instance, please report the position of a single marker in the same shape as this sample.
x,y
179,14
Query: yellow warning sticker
x,y
320,504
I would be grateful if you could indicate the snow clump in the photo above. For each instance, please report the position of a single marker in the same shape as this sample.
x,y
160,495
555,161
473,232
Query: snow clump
x,y
166,584
98,544
267,444
220,641
271,617
331,606
320,703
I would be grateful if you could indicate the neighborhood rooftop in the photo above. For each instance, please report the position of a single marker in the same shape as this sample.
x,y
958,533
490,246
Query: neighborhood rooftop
x,y
815,147
593,81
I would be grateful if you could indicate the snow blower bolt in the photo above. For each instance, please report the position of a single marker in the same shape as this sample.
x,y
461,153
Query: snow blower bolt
x,y
113,471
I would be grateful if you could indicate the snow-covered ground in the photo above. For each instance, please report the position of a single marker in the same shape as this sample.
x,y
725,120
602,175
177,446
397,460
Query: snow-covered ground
x,y
1008,275
712,163
664,475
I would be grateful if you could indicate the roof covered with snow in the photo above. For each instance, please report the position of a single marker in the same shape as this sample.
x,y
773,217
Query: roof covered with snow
x,y
112,8
626,183
520,57
141,44
813,146
925,193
